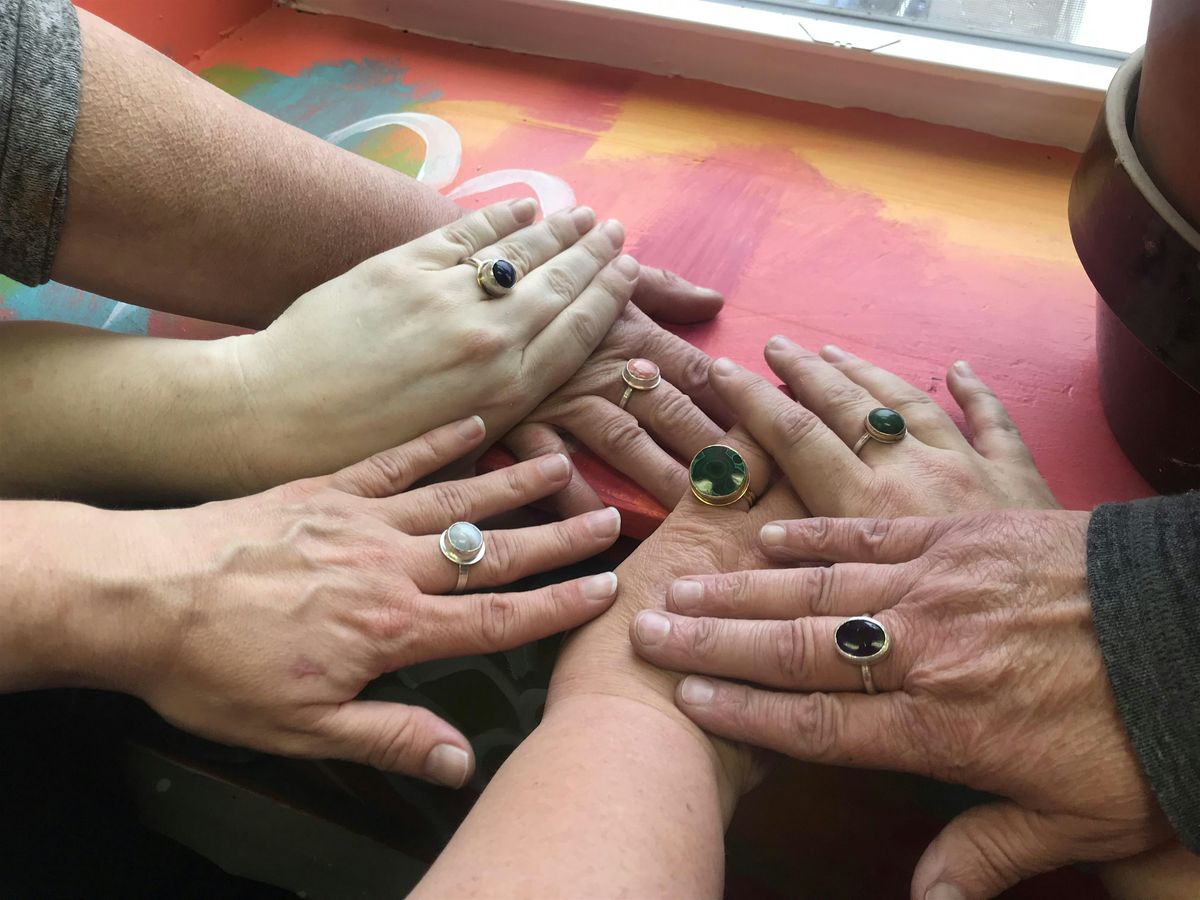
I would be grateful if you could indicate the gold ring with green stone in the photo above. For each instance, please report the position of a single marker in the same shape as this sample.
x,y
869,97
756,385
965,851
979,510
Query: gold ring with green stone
x,y
719,477
884,425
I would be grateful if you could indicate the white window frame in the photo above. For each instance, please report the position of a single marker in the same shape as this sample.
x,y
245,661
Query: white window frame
x,y
1028,92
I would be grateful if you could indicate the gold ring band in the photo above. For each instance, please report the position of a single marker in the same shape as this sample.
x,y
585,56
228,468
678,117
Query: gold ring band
x,y
639,375
883,425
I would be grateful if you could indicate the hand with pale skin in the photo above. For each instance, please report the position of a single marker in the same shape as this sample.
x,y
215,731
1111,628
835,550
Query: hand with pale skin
x,y
988,614
258,621
647,439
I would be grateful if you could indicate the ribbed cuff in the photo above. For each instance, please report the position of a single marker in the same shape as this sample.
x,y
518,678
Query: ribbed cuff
x,y
1144,582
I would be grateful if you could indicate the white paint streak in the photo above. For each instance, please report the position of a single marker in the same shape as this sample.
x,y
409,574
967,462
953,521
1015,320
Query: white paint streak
x,y
118,312
443,147
553,193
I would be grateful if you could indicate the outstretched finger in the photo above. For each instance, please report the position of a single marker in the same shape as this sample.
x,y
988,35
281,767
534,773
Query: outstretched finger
x,y
393,737
993,431
667,297
392,471
516,553
451,244
879,541
487,623
431,509
835,729
533,440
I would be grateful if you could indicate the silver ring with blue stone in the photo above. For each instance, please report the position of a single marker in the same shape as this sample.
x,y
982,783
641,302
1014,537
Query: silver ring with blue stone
x,y
884,425
462,543
496,276
864,641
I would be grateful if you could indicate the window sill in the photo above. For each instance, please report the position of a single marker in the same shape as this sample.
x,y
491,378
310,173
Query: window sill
x,y
1028,93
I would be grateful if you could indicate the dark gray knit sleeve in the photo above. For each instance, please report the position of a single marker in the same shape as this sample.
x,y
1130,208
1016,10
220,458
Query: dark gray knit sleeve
x,y
40,71
1144,581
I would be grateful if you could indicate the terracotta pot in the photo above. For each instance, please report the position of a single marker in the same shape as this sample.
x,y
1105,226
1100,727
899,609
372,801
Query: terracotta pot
x,y
1144,260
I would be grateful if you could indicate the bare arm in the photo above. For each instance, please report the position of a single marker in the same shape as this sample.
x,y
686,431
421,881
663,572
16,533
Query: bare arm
x,y
187,200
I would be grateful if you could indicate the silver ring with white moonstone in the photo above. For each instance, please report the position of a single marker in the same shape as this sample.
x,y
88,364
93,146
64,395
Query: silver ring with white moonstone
x,y
462,543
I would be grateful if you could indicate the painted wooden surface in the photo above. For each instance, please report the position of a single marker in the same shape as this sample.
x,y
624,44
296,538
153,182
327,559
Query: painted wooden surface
x,y
910,244
181,30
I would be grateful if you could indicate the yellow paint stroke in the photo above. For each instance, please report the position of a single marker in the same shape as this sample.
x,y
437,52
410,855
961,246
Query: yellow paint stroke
x,y
1010,199
479,123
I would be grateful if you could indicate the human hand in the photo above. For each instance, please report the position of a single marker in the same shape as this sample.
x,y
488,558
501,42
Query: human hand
x,y
934,470
408,340
642,441
667,297
272,612
995,680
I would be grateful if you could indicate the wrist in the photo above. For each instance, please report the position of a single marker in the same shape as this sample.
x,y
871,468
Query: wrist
x,y
78,599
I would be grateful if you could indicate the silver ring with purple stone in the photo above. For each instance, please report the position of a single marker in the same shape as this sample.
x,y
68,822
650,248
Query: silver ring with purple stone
x,y
496,276
462,543
863,641
639,375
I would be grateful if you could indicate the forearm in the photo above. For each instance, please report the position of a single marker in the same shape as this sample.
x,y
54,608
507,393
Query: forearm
x,y
616,793
184,199
99,415
1168,873
67,599
608,797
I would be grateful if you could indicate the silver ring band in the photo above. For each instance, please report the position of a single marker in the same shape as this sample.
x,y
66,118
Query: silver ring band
x,y
463,544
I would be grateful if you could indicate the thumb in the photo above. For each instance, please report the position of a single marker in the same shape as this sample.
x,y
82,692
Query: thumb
x,y
666,297
393,737
989,848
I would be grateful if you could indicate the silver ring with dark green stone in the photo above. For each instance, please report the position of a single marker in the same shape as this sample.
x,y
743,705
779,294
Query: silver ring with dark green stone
x,y
496,276
718,476
884,425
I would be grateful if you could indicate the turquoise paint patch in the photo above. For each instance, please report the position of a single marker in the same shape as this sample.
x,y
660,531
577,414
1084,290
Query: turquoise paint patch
x,y
58,303
326,96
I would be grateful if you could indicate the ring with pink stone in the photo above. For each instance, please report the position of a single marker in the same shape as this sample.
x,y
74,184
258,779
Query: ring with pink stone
x,y
639,375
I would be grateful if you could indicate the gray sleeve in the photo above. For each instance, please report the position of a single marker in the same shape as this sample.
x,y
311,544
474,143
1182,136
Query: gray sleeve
x,y
1144,581
40,71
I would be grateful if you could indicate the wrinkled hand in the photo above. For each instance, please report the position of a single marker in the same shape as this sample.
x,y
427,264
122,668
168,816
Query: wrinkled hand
x,y
934,470
277,609
408,340
644,441
995,680
666,297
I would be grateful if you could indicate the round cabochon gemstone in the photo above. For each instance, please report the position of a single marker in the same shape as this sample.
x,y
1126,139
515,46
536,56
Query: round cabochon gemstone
x,y
861,638
643,369
465,538
718,471
886,421
504,272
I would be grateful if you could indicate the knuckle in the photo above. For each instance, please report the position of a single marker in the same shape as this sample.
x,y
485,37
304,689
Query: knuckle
x,y
795,427
791,646
501,556
843,399
392,623
820,589
481,341
518,254
622,435
384,274
561,282
390,749
388,467
703,637
586,330
455,498
815,719
498,620
459,234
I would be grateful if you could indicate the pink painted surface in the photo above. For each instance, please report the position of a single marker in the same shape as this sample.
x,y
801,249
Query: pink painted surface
x,y
179,30
910,244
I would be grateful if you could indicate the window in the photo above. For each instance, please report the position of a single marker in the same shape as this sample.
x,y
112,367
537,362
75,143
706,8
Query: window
x,y
1112,26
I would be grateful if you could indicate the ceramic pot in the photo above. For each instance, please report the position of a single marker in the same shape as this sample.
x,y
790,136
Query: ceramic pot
x,y
1144,260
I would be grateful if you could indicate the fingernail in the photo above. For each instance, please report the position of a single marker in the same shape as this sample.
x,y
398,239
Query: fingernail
x,y
724,367
555,467
615,231
584,218
605,523
772,535
696,691
599,587
779,342
652,628
629,267
833,353
963,368
469,429
448,765
524,210
686,594
944,892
